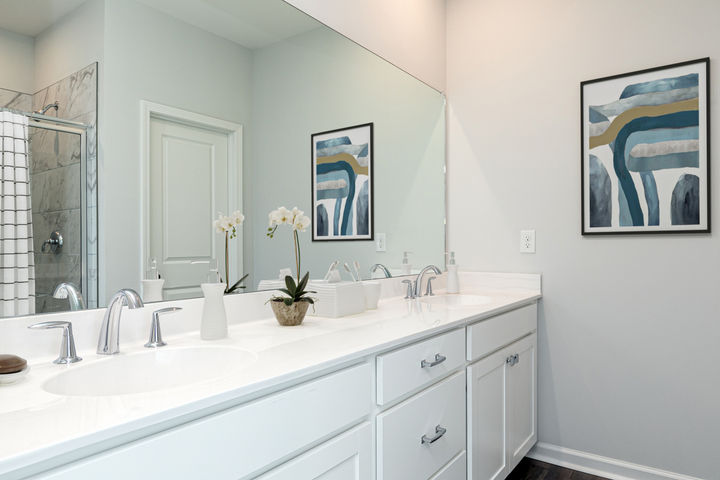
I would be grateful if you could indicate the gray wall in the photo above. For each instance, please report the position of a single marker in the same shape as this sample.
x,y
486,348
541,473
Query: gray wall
x,y
321,81
629,333
151,56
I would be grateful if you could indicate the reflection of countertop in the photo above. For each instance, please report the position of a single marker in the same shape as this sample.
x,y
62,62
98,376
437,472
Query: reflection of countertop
x,y
38,426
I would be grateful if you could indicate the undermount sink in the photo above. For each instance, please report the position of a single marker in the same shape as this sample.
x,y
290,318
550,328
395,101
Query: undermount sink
x,y
150,371
457,301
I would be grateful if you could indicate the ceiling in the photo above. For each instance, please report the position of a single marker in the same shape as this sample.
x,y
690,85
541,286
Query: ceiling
x,y
31,17
250,23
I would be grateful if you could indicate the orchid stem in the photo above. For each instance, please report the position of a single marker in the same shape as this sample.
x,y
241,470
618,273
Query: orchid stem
x,y
227,264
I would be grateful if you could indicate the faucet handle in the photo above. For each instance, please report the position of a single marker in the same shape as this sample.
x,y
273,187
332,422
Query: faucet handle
x,y
410,293
67,348
155,339
428,290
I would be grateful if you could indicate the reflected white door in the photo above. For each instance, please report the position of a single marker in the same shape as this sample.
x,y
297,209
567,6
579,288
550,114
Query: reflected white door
x,y
189,172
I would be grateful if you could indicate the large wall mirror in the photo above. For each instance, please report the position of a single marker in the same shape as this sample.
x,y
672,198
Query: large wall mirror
x,y
127,126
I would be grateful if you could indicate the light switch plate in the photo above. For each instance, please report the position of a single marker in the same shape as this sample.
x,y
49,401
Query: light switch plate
x,y
380,244
527,241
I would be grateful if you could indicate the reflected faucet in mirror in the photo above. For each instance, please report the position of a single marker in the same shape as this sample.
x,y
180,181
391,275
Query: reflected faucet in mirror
x,y
109,341
72,293
382,267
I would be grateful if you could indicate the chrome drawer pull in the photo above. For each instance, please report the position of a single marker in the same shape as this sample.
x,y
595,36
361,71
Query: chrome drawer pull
x,y
438,360
512,360
439,432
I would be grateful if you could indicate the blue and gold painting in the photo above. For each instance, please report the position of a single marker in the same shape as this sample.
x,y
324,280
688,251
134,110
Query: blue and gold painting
x,y
342,171
645,151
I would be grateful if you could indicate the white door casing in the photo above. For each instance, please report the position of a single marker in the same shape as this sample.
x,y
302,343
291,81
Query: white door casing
x,y
192,170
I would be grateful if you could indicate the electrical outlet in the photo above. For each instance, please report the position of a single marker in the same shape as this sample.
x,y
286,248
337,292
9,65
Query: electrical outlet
x,y
380,245
527,241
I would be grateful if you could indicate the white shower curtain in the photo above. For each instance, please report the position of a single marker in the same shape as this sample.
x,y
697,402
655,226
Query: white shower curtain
x,y
16,243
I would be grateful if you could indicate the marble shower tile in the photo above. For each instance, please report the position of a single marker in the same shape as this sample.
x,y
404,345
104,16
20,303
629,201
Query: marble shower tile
x,y
57,189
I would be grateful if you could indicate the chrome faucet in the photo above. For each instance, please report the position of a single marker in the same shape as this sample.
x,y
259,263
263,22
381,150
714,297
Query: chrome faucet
x,y
71,292
381,267
109,341
419,279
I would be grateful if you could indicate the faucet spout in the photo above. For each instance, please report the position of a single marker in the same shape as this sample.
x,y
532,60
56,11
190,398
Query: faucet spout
x,y
418,281
382,267
109,341
72,293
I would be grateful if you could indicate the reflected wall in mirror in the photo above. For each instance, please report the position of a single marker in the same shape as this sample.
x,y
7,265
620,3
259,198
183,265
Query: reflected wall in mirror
x,y
203,106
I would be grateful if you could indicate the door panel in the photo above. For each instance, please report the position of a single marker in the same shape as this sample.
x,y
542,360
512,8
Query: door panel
x,y
521,400
189,172
486,379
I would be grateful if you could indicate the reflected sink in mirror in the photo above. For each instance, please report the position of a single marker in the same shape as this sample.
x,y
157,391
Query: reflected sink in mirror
x,y
457,301
149,371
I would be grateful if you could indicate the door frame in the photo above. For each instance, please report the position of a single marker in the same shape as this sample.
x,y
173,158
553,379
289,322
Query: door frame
x,y
234,131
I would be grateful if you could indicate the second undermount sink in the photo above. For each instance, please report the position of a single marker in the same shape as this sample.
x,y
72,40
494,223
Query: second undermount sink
x,y
149,371
457,301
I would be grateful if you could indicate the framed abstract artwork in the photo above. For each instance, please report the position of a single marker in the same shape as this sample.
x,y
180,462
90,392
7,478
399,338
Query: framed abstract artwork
x,y
646,151
342,183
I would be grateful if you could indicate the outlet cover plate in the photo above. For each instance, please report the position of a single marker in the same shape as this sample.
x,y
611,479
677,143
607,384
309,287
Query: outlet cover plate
x,y
527,241
380,242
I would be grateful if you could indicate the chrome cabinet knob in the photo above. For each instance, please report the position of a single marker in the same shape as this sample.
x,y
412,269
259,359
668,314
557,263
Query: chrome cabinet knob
x,y
67,348
155,339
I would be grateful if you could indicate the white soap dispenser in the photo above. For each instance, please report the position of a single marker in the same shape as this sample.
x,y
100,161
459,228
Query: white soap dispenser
x,y
406,266
213,323
453,281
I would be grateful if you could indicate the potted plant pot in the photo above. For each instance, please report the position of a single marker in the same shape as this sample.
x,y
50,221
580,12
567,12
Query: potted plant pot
x,y
289,315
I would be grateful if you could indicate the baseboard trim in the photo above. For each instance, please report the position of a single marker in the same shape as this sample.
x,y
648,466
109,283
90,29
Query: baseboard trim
x,y
600,466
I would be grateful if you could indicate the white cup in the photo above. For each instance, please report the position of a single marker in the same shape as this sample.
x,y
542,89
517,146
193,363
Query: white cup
x,y
153,290
372,294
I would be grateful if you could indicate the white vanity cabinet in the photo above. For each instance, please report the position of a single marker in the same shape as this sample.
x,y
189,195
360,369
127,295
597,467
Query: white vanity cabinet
x,y
457,405
502,394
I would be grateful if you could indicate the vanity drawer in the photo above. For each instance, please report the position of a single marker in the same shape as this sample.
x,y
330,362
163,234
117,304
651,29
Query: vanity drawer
x,y
239,442
438,412
496,332
400,372
455,470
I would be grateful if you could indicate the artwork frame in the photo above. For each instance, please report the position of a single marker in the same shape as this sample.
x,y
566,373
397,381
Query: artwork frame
x,y
342,168
660,119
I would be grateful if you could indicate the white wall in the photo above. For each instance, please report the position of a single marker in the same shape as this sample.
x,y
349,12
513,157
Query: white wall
x,y
629,332
151,56
407,33
16,62
343,84
70,45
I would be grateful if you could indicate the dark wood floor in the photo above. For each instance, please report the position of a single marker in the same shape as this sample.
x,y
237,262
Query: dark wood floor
x,y
530,469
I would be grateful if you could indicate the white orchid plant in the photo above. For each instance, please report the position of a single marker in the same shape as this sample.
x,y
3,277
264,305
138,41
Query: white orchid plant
x,y
229,226
299,222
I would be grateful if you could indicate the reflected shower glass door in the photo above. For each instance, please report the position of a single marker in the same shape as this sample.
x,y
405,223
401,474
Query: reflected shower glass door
x,y
57,193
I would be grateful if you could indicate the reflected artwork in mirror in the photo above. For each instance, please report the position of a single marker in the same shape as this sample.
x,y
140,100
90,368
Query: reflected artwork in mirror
x,y
203,107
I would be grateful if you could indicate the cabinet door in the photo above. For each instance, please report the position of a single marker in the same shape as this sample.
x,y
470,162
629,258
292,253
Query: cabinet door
x,y
345,457
486,386
521,398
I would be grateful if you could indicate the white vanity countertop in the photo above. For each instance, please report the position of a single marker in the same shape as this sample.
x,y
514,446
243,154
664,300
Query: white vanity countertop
x,y
38,426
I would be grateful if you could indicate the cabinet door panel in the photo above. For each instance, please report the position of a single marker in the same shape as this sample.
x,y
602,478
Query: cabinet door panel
x,y
345,457
522,421
486,381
